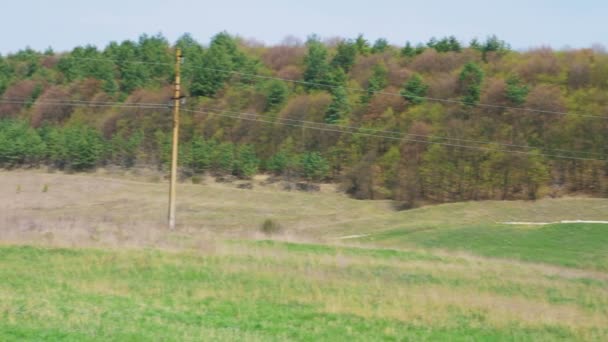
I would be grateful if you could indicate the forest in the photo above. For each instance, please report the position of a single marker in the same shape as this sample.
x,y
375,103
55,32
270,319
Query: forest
x,y
429,122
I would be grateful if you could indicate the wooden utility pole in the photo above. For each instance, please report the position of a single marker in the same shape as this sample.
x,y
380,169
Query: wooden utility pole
x,y
176,101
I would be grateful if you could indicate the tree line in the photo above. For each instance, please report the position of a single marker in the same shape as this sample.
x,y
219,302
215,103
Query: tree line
x,y
478,144
82,148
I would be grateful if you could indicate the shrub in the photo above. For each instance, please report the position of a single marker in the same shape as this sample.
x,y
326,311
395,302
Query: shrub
x,y
270,227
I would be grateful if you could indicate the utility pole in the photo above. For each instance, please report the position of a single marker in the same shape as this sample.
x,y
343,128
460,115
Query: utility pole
x,y
176,101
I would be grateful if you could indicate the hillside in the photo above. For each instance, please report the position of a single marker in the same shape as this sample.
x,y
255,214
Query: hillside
x,y
105,211
88,257
274,291
440,121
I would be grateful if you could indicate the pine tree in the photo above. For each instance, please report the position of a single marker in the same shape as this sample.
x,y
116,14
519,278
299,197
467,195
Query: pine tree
x,y
408,50
515,92
380,45
362,44
276,94
414,90
471,78
339,107
346,53
377,82
315,64
223,158
246,163
314,167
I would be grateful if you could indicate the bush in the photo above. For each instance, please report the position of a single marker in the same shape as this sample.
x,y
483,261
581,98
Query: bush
x,y
270,227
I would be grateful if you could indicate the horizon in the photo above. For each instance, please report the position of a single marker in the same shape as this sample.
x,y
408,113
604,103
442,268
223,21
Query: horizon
x,y
64,25
290,39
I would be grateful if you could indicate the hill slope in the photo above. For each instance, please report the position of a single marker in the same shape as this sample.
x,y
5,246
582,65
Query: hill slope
x,y
274,291
97,210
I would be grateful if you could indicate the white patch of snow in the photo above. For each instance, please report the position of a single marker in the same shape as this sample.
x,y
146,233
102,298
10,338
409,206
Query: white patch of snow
x,y
352,236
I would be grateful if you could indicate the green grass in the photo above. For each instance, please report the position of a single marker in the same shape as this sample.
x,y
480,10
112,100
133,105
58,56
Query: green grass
x,y
407,278
574,245
274,291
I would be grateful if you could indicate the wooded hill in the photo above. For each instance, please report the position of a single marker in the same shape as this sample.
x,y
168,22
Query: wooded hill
x,y
434,122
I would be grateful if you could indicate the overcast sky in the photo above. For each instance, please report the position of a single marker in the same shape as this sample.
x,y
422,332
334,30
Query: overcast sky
x,y
64,24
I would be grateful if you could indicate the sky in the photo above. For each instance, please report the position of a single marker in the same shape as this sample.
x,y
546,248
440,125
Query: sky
x,y
64,24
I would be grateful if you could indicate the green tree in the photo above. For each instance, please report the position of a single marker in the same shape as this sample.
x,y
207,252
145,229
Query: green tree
x,y
201,154
492,44
84,147
445,44
5,74
316,68
276,93
132,73
515,91
87,62
246,163
471,78
19,144
377,82
414,89
346,53
155,51
124,149
27,63
408,50
223,158
362,45
281,162
193,54
380,45
218,63
75,147
339,107
314,167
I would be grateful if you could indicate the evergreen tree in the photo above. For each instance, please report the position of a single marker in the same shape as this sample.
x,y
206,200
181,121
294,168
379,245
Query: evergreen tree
x,y
223,158
414,89
19,144
362,44
246,163
377,82
445,44
193,54
336,78
132,74
339,107
316,68
276,94
380,45
217,64
515,92
124,150
346,53
84,147
5,74
475,44
155,51
314,167
201,154
281,162
408,50
471,78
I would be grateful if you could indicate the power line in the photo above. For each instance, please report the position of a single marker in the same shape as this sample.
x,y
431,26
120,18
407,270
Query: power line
x,y
420,135
77,103
255,117
330,86
323,127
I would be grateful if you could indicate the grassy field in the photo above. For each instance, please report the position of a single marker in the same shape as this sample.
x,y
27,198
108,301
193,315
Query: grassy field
x,y
88,257
264,291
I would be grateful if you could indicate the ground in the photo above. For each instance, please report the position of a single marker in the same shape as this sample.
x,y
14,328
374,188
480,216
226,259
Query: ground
x,y
88,257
